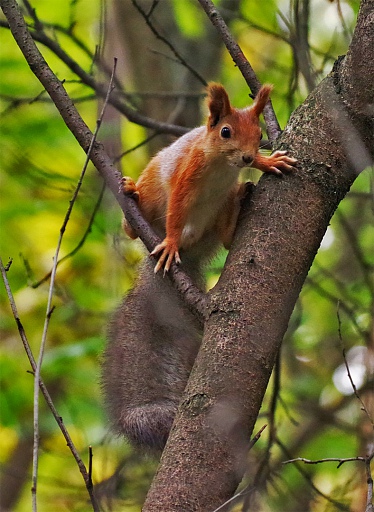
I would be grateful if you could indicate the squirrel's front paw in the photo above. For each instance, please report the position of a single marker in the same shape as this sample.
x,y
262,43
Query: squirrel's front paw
x,y
279,162
128,187
169,252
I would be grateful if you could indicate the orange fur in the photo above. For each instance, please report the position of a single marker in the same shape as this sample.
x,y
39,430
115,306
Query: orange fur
x,y
191,187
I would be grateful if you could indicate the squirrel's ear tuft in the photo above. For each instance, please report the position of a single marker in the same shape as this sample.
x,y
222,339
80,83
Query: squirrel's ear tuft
x,y
218,103
261,99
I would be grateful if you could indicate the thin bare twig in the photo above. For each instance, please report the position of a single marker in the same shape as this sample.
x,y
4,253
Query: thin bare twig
x,y
347,33
180,59
366,460
134,148
356,393
369,480
308,478
299,39
90,459
340,460
79,244
51,294
43,389
255,438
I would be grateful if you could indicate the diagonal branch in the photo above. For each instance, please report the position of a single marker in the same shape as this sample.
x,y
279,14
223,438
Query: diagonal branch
x,y
194,298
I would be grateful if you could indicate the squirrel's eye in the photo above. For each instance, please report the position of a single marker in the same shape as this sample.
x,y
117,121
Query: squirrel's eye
x,y
226,132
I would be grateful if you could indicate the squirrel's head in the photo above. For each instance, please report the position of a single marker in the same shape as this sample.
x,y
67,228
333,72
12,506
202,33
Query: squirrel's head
x,y
234,133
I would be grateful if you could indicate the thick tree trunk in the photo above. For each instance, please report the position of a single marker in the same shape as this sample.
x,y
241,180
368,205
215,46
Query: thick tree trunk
x,y
279,233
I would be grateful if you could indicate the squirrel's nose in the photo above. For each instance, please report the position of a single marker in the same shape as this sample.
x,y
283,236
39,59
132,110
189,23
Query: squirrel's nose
x,y
247,159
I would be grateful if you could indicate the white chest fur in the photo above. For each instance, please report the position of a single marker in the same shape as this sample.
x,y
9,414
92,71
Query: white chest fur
x,y
214,188
214,185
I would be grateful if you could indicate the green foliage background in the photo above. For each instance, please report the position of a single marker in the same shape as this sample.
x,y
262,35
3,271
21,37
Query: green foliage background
x,y
40,166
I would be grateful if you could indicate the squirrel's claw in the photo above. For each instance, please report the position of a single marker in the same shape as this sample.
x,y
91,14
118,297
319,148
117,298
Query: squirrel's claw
x,y
128,187
169,253
279,162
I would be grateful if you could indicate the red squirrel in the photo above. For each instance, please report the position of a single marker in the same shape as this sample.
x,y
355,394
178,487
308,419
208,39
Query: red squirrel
x,y
190,194
193,183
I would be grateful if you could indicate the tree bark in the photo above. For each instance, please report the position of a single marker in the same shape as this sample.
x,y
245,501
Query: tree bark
x,y
278,235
